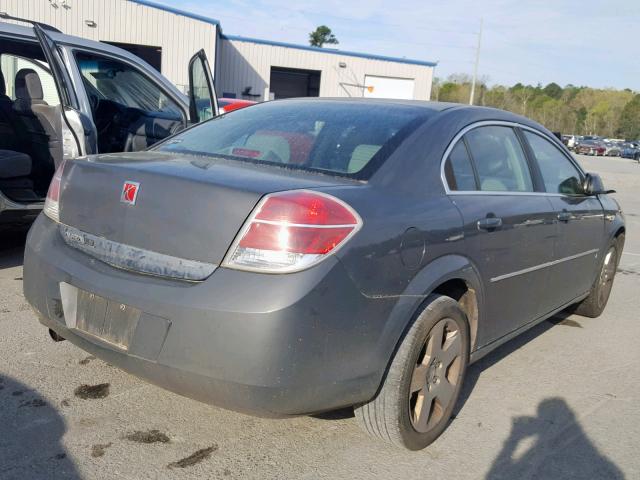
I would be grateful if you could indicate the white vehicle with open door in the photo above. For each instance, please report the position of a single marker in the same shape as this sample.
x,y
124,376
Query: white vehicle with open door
x,y
62,97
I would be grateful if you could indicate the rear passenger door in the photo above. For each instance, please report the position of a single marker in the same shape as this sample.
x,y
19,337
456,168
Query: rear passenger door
x,y
580,221
509,227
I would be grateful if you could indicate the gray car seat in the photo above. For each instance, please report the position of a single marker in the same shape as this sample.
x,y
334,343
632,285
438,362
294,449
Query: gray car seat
x,y
15,168
8,134
40,124
14,164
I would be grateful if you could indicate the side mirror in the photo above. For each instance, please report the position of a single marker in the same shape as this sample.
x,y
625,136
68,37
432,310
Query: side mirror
x,y
593,185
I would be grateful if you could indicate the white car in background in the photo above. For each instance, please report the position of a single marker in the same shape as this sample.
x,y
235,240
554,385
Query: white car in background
x,y
571,141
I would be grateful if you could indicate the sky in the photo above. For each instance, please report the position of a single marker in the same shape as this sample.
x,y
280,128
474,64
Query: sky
x,y
588,42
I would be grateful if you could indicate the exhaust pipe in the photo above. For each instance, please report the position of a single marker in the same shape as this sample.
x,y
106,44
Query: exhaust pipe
x,y
55,337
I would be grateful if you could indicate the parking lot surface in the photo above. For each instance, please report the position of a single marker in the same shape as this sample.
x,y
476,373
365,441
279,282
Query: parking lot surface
x,y
558,402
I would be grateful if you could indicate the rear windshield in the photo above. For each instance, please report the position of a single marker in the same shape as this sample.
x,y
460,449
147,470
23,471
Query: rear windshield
x,y
334,137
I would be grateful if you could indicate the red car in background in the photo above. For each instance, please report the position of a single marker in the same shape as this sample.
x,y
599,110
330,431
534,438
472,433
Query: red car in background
x,y
227,105
590,147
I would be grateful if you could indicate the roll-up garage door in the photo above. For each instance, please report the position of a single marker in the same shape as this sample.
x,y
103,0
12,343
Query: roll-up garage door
x,y
388,87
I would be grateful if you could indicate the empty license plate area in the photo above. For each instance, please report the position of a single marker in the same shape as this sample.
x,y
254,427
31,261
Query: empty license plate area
x,y
110,321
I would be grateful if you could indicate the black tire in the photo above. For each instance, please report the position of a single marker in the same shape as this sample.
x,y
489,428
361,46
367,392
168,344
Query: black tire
x,y
595,303
393,414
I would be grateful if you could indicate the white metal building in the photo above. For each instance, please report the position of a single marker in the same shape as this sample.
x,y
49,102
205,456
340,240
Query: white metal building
x,y
164,37
243,67
280,70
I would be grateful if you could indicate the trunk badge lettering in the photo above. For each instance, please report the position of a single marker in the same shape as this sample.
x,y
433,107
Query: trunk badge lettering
x,y
130,192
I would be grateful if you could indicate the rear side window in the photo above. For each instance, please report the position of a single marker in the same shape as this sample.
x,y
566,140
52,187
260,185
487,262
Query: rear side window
x,y
499,160
558,173
458,169
338,137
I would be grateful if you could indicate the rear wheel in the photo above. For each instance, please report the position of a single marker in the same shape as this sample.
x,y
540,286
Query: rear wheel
x,y
594,304
424,380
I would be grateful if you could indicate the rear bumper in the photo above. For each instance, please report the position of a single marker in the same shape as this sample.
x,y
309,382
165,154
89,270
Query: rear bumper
x,y
270,345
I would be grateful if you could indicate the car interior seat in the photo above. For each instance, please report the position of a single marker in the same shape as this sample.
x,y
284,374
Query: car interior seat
x,y
8,137
491,162
40,123
361,156
271,147
15,168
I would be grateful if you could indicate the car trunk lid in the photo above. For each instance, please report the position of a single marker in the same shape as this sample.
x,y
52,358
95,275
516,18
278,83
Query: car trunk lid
x,y
187,207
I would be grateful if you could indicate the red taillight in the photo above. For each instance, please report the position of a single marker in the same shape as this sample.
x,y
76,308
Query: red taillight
x,y
291,231
305,208
52,203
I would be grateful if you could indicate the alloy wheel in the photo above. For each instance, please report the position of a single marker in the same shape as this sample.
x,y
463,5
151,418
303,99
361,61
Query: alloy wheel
x,y
606,276
435,375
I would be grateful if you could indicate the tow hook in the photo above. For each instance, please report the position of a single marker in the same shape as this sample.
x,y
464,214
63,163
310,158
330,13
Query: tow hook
x,y
55,337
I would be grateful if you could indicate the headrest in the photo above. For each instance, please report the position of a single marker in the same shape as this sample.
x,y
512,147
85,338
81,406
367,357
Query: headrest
x,y
28,85
3,86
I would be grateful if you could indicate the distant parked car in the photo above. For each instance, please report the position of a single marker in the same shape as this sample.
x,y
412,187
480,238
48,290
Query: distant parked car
x,y
571,141
591,147
613,149
631,150
227,105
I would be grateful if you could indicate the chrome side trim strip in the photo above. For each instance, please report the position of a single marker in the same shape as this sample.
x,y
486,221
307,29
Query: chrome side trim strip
x,y
136,259
543,265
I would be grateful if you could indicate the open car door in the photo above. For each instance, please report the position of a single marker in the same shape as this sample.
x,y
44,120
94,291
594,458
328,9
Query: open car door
x,y
79,135
203,103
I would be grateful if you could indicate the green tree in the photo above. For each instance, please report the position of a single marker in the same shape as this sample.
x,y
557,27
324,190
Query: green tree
x,y
569,109
321,36
629,123
553,90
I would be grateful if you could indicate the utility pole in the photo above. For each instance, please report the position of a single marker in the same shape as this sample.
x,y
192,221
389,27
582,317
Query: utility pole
x,y
475,67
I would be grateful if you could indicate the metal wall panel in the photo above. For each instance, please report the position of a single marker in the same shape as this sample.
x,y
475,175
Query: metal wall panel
x,y
239,64
127,22
244,63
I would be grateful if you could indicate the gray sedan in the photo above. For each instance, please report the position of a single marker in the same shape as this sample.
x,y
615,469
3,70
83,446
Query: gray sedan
x,y
306,255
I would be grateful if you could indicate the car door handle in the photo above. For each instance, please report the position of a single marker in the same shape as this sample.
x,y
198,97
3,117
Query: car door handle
x,y
564,216
489,223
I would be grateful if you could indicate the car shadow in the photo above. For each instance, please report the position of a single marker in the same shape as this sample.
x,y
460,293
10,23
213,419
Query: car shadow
x,y
31,433
551,444
12,248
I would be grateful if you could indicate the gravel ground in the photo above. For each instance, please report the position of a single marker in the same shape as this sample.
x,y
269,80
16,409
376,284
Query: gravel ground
x,y
557,402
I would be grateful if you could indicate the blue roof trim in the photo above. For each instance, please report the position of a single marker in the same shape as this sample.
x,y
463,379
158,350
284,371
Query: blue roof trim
x,y
166,8
334,51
